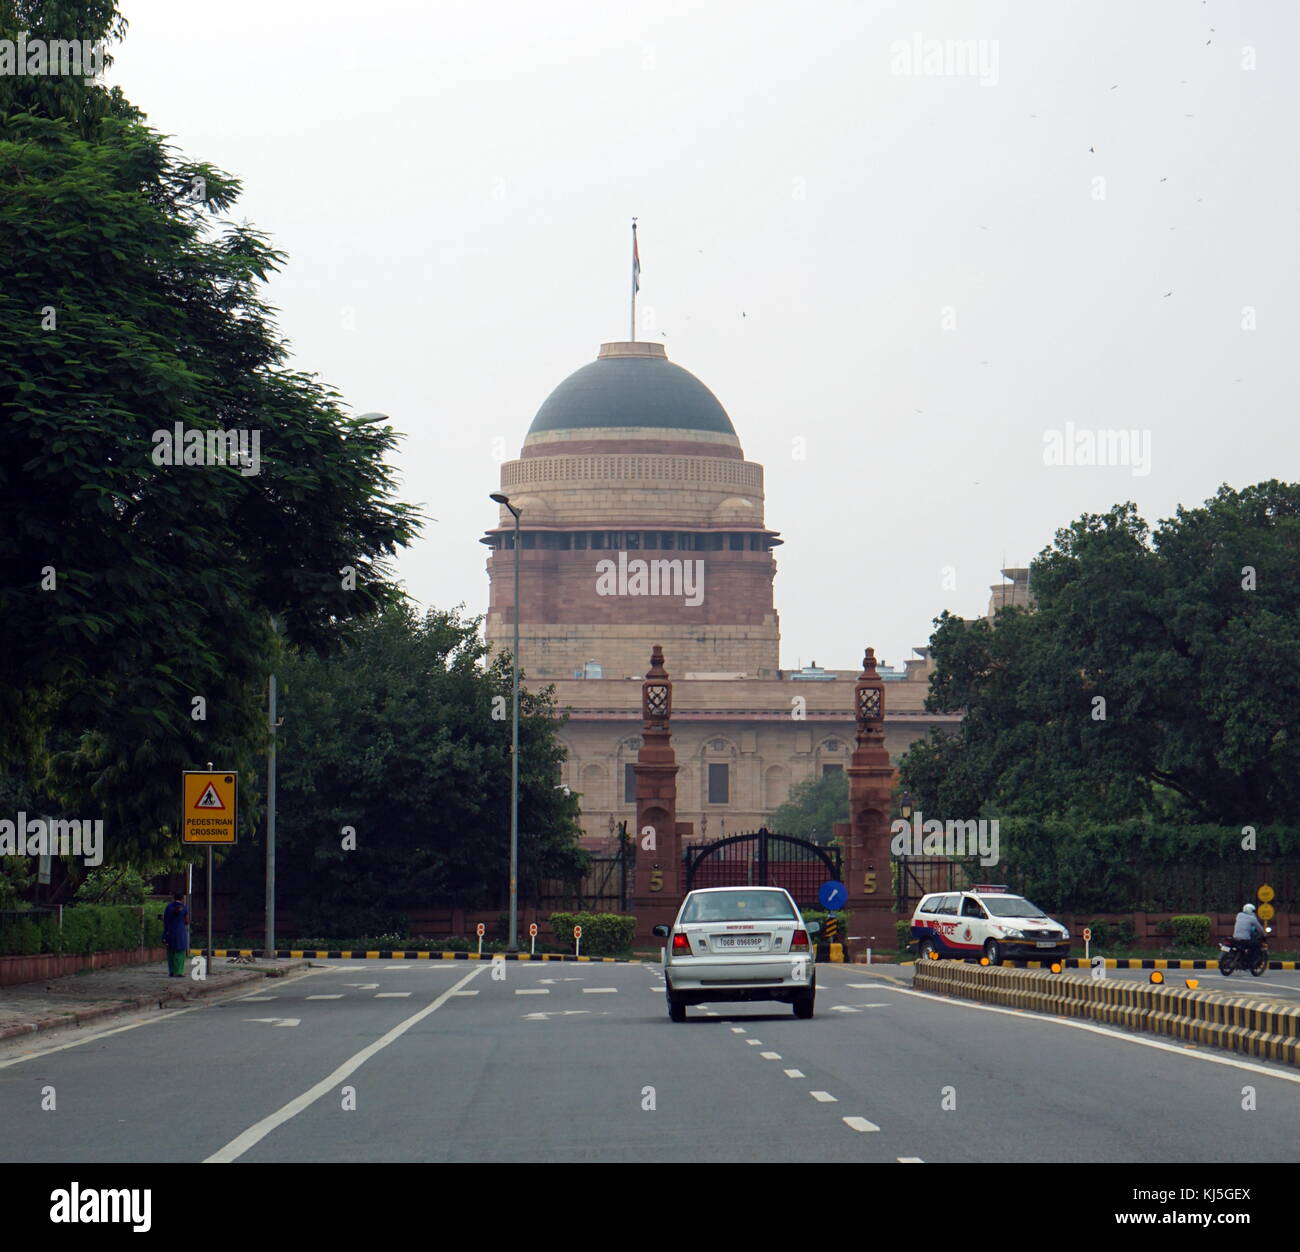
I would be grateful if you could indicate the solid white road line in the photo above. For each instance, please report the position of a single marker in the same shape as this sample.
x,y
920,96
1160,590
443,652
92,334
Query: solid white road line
x,y
794,1073
256,1133
100,1034
1102,1030
824,1097
860,1123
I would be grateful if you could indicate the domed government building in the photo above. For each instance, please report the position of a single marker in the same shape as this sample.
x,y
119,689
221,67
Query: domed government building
x,y
642,523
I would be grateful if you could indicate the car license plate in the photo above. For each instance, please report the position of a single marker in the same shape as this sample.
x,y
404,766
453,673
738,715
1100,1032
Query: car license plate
x,y
1050,943
740,941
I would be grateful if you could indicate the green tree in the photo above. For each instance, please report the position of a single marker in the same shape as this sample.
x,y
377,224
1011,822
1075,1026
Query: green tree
x,y
813,806
131,589
403,736
1157,676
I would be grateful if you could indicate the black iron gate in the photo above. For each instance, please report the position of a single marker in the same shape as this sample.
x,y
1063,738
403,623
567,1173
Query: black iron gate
x,y
918,876
763,859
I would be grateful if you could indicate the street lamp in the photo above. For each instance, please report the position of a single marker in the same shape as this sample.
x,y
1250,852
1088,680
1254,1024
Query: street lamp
x,y
513,945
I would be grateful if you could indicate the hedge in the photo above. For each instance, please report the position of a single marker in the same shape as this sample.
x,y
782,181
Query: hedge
x,y
603,934
86,928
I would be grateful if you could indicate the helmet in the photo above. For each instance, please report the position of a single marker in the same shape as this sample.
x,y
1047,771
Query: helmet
x,y
1250,908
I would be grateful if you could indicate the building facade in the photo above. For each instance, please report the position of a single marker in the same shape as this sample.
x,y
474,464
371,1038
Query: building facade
x,y
642,523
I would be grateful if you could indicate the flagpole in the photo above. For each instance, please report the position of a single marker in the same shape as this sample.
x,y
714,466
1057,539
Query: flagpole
x,y
632,335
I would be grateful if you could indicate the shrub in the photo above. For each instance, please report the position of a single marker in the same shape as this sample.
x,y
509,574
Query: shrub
x,y
904,928
603,934
1114,935
1190,931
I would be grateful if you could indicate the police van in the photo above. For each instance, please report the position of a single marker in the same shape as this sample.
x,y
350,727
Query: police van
x,y
986,920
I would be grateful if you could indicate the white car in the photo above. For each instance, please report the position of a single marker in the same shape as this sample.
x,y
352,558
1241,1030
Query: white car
x,y
739,943
986,920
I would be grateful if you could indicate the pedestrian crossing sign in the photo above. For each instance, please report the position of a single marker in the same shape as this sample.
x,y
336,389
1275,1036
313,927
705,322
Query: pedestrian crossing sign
x,y
208,806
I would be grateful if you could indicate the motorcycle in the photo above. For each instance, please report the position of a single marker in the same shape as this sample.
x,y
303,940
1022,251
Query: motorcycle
x,y
1237,955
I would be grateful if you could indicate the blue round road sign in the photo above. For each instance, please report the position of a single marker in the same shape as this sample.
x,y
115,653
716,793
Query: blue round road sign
x,y
832,895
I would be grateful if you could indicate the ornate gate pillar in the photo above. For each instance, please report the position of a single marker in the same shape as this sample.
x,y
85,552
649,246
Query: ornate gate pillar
x,y
657,883
865,836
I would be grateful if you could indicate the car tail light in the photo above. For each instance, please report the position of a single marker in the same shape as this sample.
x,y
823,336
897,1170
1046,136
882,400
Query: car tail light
x,y
681,944
800,941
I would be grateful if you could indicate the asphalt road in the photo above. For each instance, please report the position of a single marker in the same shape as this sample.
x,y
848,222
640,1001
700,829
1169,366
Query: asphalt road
x,y
439,1061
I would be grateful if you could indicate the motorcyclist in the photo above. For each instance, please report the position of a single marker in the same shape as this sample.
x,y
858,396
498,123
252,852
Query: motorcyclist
x,y
1247,932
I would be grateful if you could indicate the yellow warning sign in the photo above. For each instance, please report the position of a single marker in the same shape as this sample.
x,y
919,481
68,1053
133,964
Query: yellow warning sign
x,y
1265,912
208,806
1265,893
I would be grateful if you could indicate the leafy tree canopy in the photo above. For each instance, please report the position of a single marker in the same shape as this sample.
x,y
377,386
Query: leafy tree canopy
x,y
813,807
129,588
1158,675
403,735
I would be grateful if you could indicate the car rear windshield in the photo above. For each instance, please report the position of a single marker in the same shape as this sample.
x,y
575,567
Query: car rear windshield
x,y
739,906
1011,906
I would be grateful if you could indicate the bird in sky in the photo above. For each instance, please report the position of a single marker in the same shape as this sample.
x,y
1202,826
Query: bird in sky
x,y
1168,294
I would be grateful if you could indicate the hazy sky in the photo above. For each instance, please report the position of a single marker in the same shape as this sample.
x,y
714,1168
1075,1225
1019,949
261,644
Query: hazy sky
x,y
910,276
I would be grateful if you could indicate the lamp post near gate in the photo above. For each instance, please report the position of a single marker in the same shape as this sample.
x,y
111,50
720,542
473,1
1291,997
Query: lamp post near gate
x,y
513,945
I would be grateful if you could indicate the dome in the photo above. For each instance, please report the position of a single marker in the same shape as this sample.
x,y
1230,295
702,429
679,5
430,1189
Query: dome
x,y
632,384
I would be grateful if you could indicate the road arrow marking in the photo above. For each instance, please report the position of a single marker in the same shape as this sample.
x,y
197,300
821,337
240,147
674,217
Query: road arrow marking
x,y
276,1021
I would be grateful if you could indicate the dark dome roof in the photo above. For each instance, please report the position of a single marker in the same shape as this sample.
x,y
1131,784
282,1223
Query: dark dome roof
x,y
632,385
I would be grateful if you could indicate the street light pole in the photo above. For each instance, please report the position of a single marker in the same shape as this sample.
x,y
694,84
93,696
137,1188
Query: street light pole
x,y
513,945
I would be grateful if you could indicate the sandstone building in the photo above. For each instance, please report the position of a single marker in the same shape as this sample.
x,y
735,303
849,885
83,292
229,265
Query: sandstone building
x,y
642,523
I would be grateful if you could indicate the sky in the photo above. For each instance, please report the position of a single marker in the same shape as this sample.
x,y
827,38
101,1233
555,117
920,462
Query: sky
x,y
917,251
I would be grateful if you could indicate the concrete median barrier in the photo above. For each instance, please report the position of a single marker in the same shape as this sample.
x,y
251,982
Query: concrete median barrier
x,y
1266,1030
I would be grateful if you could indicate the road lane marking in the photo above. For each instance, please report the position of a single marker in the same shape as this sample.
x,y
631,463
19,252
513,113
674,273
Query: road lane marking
x,y
737,1030
391,995
337,997
1102,1030
532,991
363,986
754,1043
843,1008
794,1073
823,1097
460,993
770,1056
100,1034
277,1021
256,999
257,1132
595,991
911,1160
860,1123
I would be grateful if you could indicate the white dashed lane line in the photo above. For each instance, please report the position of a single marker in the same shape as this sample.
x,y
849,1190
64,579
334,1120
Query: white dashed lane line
x,y
391,995
824,1097
754,1043
860,1123
770,1056
911,1160
337,997
794,1073
595,991
532,991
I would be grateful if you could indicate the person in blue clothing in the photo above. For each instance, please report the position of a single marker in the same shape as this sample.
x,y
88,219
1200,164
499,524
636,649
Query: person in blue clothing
x,y
176,935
